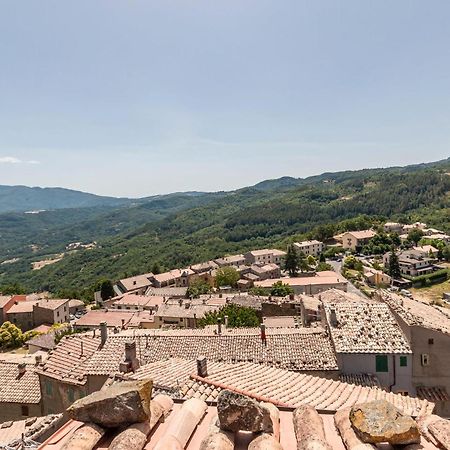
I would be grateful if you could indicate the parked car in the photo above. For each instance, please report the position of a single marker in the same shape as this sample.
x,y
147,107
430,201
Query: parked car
x,y
406,293
71,317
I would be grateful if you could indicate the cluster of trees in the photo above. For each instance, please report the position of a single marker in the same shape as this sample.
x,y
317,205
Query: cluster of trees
x,y
238,317
11,336
197,288
227,276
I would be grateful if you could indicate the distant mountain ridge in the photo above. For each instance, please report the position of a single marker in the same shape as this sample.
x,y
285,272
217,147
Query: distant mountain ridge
x,y
24,198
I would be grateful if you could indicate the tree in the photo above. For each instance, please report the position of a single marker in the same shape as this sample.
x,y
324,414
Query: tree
x,y
415,235
197,288
259,291
281,290
156,268
10,336
323,266
12,289
322,258
446,252
292,261
238,317
227,276
106,289
311,260
353,263
394,266
303,262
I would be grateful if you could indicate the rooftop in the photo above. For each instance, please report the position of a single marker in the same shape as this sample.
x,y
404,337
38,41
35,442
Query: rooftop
x,y
16,388
267,251
137,282
296,349
365,328
113,318
364,234
416,313
139,300
307,243
327,277
255,380
31,429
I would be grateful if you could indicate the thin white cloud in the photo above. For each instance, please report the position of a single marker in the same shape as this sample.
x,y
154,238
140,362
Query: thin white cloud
x,y
14,160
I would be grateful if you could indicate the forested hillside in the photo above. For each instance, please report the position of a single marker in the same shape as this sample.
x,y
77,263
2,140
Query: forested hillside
x,y
194,228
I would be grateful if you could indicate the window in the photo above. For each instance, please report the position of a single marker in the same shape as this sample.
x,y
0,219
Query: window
x,y
48,388
25,411
403,361
381,363
430,341
425,359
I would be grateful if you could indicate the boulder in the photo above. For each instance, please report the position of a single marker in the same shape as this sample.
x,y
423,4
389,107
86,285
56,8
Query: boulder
x,y
118,405
380,421
241,413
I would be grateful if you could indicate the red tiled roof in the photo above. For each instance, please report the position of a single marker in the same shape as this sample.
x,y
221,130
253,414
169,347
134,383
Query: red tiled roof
x,y
289,389
365,328
19,389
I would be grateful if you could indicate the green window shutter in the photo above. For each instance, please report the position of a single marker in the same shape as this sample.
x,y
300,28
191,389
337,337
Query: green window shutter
x,y
381,363
403,361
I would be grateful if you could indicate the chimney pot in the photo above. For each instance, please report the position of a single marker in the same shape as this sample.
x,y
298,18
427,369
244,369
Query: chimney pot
x,y
226,321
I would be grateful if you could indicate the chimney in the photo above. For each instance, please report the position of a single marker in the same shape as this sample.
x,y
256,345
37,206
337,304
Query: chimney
x,y
103,333
291,296
219,325
22,369
131,362
38,359
333,318
202,367
226,321
263,334
180,302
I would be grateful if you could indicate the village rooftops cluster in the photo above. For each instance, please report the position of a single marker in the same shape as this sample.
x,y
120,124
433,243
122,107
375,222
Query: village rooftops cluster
x,y
365,328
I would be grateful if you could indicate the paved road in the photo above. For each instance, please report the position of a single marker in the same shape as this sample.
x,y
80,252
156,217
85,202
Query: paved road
x,y
351,288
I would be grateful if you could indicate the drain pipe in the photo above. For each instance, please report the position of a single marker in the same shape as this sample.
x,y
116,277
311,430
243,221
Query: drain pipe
x,y
395,376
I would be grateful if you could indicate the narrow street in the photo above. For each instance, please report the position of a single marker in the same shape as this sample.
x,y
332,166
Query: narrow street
x,y
351,288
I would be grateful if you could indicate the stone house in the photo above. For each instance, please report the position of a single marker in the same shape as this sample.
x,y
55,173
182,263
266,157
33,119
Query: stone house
x,y
368,340
314,248
20,395
265,256
427,329
310,284
355,240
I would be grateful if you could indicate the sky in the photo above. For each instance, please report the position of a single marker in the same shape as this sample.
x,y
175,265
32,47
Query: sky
x,y
135,98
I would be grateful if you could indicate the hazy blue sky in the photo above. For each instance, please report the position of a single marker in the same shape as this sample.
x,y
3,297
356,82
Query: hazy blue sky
x,y
142,97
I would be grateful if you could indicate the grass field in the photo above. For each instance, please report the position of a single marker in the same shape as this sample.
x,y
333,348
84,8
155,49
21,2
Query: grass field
x,y
431,293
